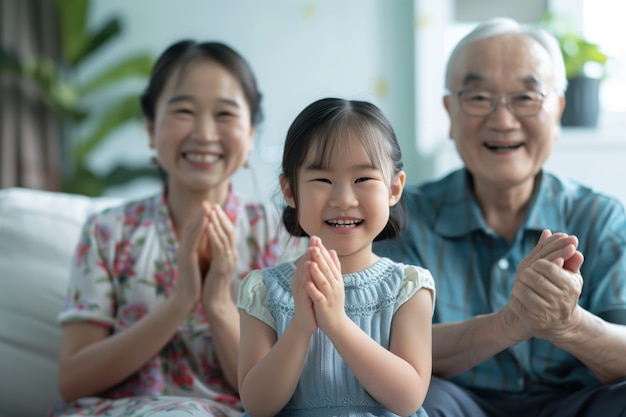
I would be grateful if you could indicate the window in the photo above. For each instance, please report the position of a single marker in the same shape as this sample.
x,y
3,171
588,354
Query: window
x,y
603,23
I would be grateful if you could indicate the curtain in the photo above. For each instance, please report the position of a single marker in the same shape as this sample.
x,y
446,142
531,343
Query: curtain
x,y
30,133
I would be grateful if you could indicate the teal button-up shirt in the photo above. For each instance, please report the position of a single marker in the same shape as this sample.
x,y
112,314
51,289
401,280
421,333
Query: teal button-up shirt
x,y
474,268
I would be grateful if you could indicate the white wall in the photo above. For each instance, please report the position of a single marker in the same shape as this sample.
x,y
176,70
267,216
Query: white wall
x,y
391,52
300,50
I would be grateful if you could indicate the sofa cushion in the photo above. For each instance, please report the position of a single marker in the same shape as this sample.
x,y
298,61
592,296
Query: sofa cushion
x,y
38,233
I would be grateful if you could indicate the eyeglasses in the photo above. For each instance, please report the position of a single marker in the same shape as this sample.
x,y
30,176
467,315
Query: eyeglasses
x,y
519,103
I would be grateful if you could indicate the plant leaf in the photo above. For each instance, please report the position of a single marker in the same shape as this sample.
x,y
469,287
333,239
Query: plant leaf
x,y
62,97
84,182
576,50
93,43
137,65
123,174
72,17
126,109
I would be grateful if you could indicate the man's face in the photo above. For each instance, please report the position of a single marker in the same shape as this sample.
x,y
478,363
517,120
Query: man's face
x,y
501,149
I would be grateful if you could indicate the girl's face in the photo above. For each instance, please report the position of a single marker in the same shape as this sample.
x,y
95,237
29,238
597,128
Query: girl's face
x,y
202,130
345,203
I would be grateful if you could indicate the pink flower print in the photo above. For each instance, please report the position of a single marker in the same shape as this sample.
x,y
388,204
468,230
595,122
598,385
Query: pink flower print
x,y
124,261
231,400
131,313
134,214
103,266
103,233
182,376
178,366
148,380
77,301
82,250
254,213
162,278
101,411
269,257
98,408
230,206
206,370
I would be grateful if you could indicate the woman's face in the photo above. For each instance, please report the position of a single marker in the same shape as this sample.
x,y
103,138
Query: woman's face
x,y
202,129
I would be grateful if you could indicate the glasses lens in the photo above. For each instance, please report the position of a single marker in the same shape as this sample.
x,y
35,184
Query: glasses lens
x,y
476,103
482,103
525,103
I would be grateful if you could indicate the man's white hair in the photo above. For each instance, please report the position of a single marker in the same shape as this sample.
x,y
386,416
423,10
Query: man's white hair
x,y
501,26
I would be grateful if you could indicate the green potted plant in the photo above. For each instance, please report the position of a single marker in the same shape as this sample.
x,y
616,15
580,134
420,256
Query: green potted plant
x,y
58,84
585,66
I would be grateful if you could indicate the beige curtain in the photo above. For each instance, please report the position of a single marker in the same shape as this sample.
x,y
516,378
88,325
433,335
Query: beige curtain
x,y
30,137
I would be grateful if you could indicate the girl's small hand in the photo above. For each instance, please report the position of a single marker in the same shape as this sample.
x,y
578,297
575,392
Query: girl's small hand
x,y
221,235
189,284
326,289
304,316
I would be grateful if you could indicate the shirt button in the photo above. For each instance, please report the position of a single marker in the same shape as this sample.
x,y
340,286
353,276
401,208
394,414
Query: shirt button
x,y
347,279
503,264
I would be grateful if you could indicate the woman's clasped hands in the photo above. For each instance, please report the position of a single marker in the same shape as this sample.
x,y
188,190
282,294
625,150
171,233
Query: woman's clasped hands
x,y
207,257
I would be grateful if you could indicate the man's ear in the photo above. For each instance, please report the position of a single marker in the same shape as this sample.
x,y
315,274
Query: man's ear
x,y
561,107
287,191
446,105
397,185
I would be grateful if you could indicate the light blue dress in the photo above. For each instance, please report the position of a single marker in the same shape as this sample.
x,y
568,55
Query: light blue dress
x,y
327,386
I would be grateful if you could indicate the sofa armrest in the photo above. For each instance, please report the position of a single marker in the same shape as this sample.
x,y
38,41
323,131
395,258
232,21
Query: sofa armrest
x,y
38,234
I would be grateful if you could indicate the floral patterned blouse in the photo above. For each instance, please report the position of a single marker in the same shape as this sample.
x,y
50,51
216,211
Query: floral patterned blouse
x,y
125,266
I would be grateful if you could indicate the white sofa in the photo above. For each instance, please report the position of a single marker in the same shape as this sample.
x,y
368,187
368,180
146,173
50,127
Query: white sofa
x,y
38,233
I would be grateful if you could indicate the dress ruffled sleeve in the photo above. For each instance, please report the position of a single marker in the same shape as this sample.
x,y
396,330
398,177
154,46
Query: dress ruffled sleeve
x,y
252,298
415,278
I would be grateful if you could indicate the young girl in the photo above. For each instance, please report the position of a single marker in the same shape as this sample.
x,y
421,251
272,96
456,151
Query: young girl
x,y
341,332
151,319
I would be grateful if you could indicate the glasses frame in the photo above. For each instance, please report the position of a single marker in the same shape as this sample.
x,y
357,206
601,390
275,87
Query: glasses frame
x,y
495,100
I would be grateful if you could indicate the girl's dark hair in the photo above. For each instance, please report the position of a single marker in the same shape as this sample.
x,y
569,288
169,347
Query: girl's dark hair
x,y
181,53
327,123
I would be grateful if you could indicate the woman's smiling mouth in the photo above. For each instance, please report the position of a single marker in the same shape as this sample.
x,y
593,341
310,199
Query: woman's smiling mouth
x,y
202,158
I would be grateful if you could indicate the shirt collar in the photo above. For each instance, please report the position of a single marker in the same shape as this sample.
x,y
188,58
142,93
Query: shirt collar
x,y
547,208
230,206
460,213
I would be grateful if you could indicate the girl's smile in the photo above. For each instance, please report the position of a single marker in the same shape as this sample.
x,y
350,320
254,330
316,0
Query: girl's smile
x,y
344,226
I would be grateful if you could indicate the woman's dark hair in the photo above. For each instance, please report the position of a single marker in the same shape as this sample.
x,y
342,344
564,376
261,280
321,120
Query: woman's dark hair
x,y
181,53
327,123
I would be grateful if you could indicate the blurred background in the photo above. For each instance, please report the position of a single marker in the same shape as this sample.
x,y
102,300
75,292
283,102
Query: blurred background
x,y
71,72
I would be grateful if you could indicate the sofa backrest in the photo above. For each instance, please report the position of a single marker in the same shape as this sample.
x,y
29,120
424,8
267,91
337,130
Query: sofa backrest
x,y
38,235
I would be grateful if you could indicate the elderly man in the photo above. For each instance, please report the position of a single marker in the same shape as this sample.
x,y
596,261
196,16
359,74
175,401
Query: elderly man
x,y
523,327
